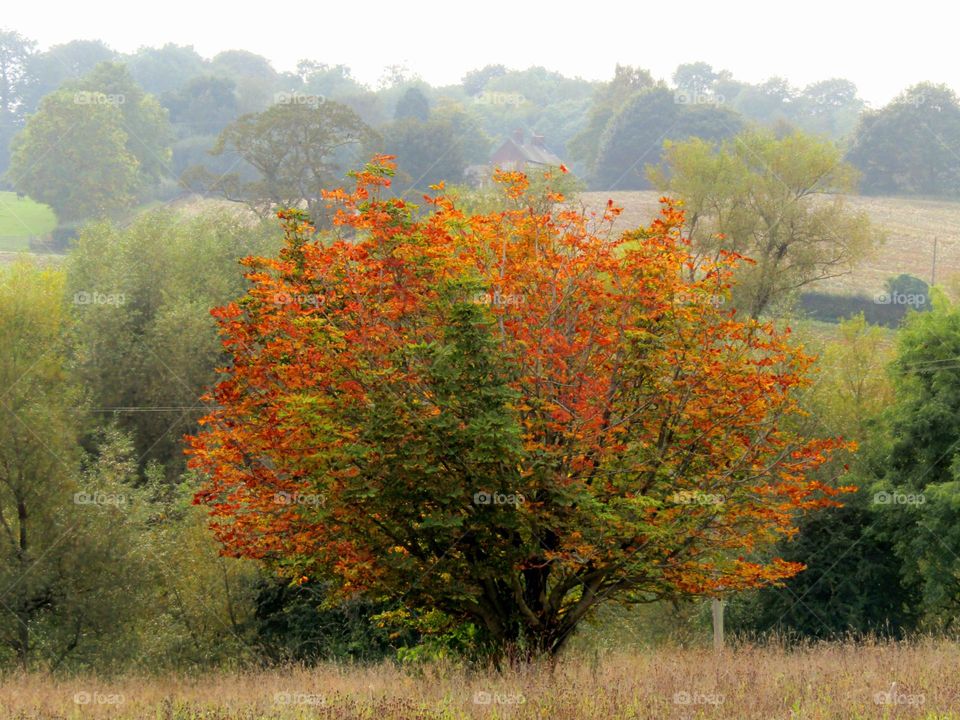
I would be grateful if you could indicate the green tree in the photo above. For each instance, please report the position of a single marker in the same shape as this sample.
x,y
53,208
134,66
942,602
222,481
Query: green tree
x,y
911,146
333,82
149,355
15,54
49,70
145,121
203,106
475,81
74,156
776,200
634,137
257,81
695,79
829,107
608,99
914,461
67,568
770,103
165,69
413,106
297,149
434,151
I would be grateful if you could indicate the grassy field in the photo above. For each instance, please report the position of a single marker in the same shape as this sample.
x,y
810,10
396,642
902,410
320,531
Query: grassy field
x,y
817,683
911,225
20,219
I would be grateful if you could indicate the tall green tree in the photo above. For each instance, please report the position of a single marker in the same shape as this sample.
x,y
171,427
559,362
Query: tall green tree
x,y
257,81
914,462
911,146
145,121
74,156
634,137
15,54
829,107
608,99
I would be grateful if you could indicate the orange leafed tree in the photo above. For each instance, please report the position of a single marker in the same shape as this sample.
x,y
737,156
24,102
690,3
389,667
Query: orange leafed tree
x,y
509,417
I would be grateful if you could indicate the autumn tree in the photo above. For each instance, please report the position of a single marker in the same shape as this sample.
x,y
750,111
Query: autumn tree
x,y
507,419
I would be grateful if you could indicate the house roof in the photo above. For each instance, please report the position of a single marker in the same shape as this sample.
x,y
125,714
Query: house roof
x,y
534,153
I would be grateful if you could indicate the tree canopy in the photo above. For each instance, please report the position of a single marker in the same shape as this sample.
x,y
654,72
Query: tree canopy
x,y
505,418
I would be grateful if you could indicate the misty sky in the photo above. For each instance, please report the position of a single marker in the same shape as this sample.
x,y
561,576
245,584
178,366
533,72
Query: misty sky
x,y
883,47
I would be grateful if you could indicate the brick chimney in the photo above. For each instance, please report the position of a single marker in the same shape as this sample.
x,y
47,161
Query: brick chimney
x,y
518,136
537,140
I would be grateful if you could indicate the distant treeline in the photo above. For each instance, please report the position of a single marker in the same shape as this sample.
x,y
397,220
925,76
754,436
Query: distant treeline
x,y
154,117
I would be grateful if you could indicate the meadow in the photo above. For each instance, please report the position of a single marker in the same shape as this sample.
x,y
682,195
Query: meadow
x,y
817,682
22,219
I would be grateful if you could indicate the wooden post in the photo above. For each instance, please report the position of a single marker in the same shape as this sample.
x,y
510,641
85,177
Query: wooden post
x,y
716,607
933,270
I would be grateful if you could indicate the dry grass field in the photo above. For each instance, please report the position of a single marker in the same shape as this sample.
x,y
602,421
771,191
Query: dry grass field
x,y
911,225
819,682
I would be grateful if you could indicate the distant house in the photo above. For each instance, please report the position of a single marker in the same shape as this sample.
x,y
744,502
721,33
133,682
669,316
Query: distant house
x,y
516,153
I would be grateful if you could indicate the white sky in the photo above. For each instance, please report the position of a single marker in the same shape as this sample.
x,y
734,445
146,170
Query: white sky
x,y
881,46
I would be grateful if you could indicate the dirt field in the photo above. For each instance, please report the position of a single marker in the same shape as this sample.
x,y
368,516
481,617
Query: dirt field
x,y
911,226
